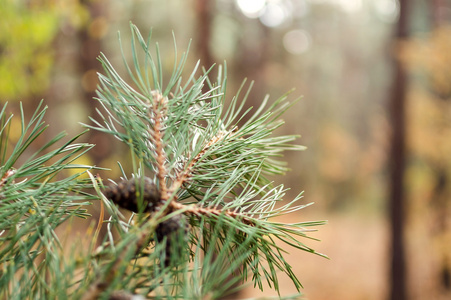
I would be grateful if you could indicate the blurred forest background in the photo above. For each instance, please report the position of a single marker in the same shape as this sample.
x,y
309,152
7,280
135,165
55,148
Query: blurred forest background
x,y
375,113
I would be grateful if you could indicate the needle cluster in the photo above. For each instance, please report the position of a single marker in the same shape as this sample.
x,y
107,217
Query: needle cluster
x,y
195,218
37,195
210,165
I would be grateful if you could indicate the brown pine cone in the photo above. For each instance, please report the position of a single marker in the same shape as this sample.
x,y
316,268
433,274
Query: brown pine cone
x,y
172,229
126,194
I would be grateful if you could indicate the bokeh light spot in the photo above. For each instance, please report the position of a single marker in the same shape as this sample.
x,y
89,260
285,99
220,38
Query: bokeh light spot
x,y
251,8
273,15
350,6
297,41
387,10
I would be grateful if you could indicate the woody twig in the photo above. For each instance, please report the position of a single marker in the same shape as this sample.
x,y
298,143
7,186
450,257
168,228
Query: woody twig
x,y
156,113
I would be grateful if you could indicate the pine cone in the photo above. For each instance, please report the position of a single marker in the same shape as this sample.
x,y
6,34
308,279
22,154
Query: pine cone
x,y
172,229
126,194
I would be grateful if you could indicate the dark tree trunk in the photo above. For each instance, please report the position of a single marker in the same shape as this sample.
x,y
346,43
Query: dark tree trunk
x,y
90,47
204,19
397,165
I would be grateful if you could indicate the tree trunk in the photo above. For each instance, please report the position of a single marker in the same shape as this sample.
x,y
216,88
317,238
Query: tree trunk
x,y
90,48
397,165
203,27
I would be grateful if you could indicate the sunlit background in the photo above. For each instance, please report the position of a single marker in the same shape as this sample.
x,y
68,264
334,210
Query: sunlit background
x,y
338,55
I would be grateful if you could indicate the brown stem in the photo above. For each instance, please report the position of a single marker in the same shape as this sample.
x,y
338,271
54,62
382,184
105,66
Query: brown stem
x,y
5,177
159,108
197,211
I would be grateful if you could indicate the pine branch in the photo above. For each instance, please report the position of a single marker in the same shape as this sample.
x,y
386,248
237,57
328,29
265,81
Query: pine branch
x,y
203,210
36,196
210,173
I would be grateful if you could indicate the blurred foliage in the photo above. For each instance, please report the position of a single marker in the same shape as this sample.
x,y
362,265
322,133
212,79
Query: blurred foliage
x,y
429,59
25,56
429,172
27,51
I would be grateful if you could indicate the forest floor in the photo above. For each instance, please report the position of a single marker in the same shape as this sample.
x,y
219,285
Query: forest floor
x,y
357,266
